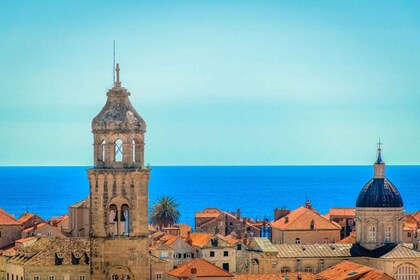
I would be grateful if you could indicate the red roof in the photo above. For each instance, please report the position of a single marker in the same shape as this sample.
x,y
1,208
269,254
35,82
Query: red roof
x,y
301,218
7,219
343,212
350,270
351,239
200,239
202,268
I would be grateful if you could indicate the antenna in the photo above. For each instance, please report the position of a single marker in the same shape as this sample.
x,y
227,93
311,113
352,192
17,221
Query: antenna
x,y
113,65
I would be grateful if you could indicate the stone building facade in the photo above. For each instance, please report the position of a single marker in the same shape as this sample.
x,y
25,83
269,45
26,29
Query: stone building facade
x,y
10,229
119,191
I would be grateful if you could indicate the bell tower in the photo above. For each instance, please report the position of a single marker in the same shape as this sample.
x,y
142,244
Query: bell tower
x,y
118,191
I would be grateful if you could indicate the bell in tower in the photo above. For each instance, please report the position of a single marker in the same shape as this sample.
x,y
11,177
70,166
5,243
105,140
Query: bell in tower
x,y
119,191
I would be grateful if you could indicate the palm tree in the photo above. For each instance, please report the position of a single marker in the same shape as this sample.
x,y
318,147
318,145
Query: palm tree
x,y
165,212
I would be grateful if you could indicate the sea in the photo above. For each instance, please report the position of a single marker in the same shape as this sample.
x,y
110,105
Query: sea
x,y
256,190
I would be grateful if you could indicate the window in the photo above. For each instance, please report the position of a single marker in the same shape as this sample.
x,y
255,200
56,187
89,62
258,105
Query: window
x,y
285,269
82,277
158,276
125,277
407,271
101,151
325,240
51,277
225,266
297,240
0,233
164,254
49,233
312,225
225,254
238,247
309,269
187,255
36,278
118,150
113,277
408,234
211,253
372,234
388,234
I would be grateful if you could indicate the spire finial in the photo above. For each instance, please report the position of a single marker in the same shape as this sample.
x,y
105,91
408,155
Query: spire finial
x,y
379,159
117,71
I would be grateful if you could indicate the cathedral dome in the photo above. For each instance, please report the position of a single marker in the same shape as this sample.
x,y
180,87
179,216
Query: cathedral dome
x,y
379,192
118,114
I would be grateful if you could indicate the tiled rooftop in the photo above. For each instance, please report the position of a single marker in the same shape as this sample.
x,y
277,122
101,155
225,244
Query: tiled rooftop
x,y
349,270
7,219
289,276
301,218
203,269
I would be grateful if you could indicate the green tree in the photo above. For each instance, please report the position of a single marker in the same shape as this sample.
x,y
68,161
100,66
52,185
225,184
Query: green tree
x,y
165,212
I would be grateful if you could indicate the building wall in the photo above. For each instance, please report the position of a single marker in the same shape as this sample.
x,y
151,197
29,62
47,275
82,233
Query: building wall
x,y
9,233
181,247
159,268
380,218
61,272
306,236
162,254
219,259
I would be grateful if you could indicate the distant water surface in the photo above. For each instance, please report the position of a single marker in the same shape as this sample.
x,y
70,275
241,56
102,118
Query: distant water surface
x,y
256,190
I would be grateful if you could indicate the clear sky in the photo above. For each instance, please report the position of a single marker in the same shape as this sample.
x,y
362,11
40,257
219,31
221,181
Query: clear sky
x,y
217,82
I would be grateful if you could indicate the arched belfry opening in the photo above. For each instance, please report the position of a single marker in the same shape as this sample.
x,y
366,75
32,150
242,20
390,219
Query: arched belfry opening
x,y
118,191
118,150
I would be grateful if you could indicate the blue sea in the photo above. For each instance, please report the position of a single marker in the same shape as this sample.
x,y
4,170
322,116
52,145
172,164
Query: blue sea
x,y
256,190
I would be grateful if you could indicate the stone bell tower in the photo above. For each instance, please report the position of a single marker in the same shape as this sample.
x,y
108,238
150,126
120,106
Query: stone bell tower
x,y
118,191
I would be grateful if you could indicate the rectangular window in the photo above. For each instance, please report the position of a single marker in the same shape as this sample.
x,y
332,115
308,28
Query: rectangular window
x,y
49,233
164,255
187,255
309,269
211,253
82,277
225,254
158,276
225,266
238,247
36,278
51,277
372,234
408,234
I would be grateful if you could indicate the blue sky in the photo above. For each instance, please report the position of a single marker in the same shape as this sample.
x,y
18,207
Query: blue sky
x,y
218,82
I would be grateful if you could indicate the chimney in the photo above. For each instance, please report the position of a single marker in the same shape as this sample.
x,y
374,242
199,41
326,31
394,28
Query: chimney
x,y
286,219
280,213
308,204
238,214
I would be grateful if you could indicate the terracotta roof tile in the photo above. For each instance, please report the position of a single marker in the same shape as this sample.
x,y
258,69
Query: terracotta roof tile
x,y
351,239
34,227
169,239
292,276
416,215
350,270
23,240
300,219
7,219
208,213
203,269
184,229
402,251
343,212
25,217
200,239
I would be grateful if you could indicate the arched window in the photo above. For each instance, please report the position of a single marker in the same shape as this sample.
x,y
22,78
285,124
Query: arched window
x,y
406,271
102,151
372,234
297,240
133,144
113,220
114,277
118,150
388,234
126,277
125,220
